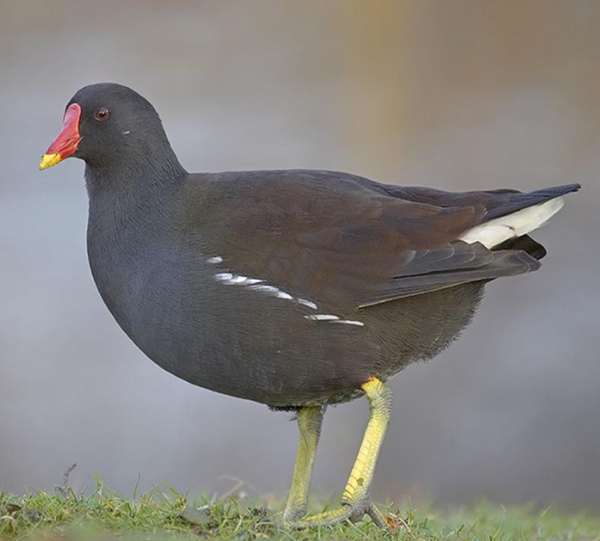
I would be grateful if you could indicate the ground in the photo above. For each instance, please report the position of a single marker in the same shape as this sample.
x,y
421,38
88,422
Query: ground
x,y
165,514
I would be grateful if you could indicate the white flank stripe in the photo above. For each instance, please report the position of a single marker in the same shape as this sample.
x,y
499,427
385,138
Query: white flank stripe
x,y
264,287
351,322
215,260
308,303
238,279
322,317
258,285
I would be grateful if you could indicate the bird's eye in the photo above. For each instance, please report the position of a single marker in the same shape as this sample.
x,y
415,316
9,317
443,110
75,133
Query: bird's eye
x,y
102,114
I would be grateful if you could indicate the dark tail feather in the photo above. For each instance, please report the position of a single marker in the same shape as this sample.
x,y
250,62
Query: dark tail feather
x,y
520,201
526,244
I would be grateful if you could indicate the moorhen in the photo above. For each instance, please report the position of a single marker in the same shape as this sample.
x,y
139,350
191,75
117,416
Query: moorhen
x,y
296,289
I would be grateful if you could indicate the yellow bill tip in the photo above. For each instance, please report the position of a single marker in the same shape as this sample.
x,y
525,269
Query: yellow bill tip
x,y
48,160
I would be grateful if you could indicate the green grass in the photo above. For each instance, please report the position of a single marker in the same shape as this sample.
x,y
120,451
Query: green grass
x,y
159,514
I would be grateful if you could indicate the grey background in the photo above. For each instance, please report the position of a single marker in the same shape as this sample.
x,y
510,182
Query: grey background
x,y
452,94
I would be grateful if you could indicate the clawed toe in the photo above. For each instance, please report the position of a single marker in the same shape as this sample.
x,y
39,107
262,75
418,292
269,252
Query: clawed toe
x,y
354,513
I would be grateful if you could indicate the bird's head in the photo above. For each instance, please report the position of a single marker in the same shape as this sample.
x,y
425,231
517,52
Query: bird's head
x,y
105,125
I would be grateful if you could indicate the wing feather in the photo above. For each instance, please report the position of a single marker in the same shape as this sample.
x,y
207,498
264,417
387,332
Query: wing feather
x,y
346,242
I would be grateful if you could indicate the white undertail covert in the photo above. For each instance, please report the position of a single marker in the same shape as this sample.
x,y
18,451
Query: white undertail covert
x,y
513,225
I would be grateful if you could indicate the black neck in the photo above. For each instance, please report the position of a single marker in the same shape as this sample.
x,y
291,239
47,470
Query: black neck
x,y
138,161
134,194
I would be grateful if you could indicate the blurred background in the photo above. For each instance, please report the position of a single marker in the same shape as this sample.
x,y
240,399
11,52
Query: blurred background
x,y
457,95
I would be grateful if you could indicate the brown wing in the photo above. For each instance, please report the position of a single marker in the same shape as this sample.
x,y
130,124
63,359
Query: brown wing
x,y
343,244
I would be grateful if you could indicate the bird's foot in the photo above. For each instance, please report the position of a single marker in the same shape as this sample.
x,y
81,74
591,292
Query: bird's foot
x,y
348,511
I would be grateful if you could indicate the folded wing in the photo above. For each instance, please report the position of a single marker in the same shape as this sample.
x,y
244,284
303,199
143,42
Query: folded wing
x,y
346,242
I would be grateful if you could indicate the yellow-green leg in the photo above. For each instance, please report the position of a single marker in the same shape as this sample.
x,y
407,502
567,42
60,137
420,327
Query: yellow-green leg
x,y
309,420
356,498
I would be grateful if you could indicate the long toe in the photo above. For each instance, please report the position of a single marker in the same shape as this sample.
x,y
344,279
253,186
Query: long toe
x,y
354,513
